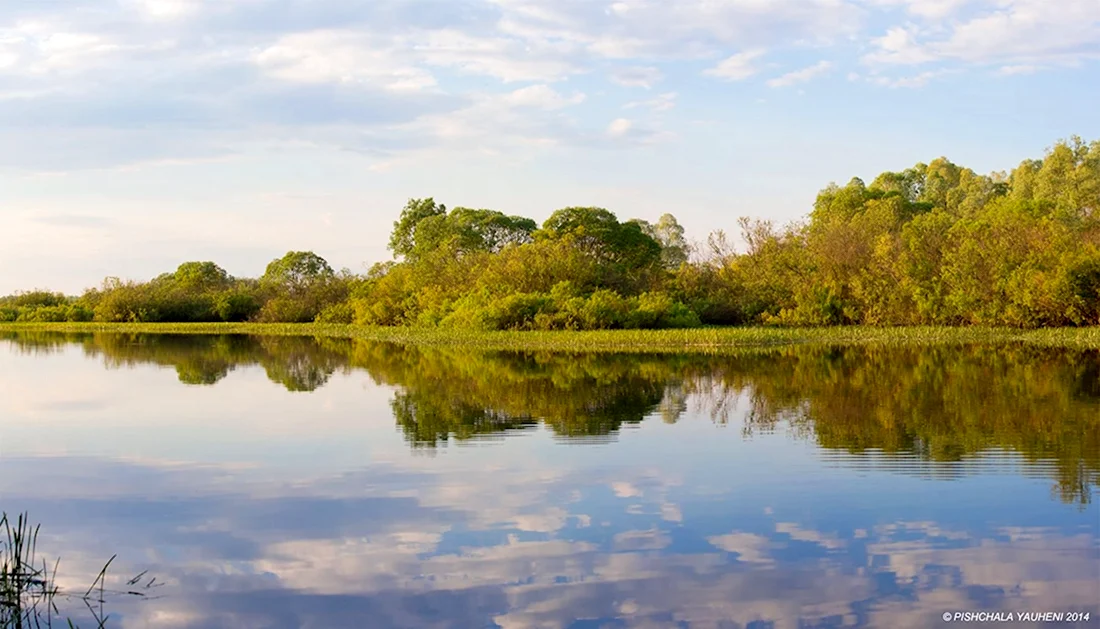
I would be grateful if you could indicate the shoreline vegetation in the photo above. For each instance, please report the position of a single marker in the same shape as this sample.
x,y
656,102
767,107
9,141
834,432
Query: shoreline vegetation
x,y
711,340
933,245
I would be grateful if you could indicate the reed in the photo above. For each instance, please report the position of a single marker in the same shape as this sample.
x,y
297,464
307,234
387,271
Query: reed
x,y
693,340
28,584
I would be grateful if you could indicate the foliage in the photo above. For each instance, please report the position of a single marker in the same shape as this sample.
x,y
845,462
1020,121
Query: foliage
x,y
668,233
707,340
934,244
599,235
403,238
297,287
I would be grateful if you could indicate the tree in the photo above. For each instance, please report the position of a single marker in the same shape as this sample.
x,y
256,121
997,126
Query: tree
x,y
909,183
670,235
599,234
403,238
940,179
466,230
1069,178
201,277
297,271
494,229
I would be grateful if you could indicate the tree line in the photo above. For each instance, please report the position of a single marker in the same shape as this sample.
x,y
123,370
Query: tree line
x,y
935,244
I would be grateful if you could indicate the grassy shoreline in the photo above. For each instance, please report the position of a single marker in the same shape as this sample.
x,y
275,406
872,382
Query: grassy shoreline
x,y
705,340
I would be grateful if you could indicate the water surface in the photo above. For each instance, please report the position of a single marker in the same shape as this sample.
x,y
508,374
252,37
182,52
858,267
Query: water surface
x,y
293,482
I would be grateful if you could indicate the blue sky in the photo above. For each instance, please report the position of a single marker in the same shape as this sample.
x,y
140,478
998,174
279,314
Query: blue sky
x,y
138,134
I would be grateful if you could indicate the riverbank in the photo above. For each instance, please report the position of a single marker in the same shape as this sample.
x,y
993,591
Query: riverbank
x,y
702,340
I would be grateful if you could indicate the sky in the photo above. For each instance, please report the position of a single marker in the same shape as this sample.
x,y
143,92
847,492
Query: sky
x,y
139,134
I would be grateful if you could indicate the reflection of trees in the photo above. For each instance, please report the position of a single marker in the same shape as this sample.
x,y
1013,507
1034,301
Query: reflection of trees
x,y
428,420
939,403
462,394
39,342
297,363
936,404
300,363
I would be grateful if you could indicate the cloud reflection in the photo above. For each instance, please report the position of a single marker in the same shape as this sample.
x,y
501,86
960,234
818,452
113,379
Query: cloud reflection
x,y
677,523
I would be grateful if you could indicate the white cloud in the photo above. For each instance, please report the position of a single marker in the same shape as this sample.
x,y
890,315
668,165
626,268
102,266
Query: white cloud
x,y
34,48
915,81
185,79
801,76
1010,32
341,57
618,128
737,67
1024,68
543,97
898,46
637,76
526,118
686,29
928,9
507,59
663,102
167,9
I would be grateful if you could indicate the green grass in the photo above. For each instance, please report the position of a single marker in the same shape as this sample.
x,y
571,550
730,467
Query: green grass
x,y
702,340
28,588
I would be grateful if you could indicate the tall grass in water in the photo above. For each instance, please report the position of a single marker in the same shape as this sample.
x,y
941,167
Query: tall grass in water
x,y
28,588
707,340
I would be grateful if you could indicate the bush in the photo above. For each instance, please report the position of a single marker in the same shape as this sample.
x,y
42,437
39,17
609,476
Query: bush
x,y
337,313
602,310
236,306
518,311
1084,284
286,310
78,313
44,314
659,310
38,299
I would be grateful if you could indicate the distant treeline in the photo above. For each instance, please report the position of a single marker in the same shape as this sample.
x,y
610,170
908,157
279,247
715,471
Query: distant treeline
x,y
934,244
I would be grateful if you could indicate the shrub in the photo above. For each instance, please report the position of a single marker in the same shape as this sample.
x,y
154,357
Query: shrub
x,y
1084,284
37,299
286,310
78,313
518,311
337,313
659,310
236,306
44,314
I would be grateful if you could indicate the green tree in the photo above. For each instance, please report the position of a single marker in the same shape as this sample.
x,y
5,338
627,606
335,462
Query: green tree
x,y
668,232
201,277
403,237
300,286
599,234
466,230
297,272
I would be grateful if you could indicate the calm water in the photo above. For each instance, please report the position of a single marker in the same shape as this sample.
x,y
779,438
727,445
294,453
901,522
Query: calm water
x,y
282,482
